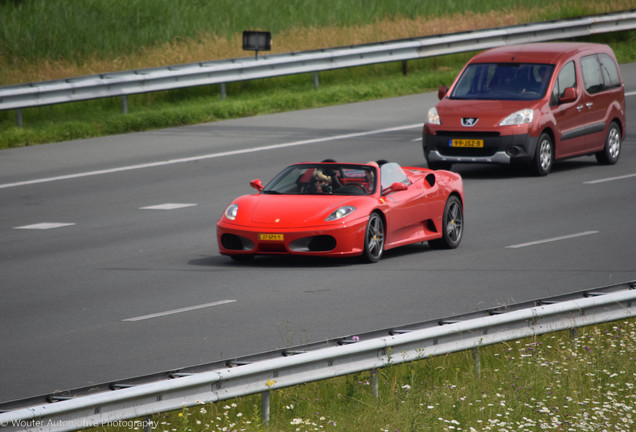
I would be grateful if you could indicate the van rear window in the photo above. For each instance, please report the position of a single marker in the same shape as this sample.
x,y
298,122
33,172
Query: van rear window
x,y
503,81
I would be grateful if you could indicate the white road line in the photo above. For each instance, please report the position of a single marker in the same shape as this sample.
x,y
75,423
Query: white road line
x,y
623,177
209,156
565,237
44,226
167,206
176,311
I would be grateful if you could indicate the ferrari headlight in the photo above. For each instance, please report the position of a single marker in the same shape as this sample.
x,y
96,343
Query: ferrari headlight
x,y
524,116
340,213
231,211
433,117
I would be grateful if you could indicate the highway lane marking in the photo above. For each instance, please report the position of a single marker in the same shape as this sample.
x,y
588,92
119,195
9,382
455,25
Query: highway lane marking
x,y
608,179
180,310
553,239
167,206
44,226
210,156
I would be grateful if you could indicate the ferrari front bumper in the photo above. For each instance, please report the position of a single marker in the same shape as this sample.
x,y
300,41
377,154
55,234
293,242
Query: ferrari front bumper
x,y
335,239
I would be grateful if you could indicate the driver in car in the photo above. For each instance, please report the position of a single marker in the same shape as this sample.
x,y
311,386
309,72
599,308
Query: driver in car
x,y
322,182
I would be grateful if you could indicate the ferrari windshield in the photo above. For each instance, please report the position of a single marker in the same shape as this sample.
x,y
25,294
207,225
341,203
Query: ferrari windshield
x,y
324,178
503,81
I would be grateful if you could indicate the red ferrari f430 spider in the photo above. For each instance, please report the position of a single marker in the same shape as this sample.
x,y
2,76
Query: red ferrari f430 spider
x,y
344,209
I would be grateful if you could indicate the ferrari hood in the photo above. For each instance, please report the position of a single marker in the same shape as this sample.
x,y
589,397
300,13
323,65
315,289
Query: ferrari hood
x,y
291,210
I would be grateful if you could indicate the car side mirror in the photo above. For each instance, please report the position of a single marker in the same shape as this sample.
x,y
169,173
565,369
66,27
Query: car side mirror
x,y
569,95
395,187
257,184
442,92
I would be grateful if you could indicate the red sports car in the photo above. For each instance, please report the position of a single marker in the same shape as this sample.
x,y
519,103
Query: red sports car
x,y
344,209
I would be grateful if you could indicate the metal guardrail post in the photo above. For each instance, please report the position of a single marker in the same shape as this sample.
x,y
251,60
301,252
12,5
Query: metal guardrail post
x,y
265,407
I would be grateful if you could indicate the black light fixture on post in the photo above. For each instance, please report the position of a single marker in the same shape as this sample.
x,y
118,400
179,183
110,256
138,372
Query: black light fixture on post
x,y
257,41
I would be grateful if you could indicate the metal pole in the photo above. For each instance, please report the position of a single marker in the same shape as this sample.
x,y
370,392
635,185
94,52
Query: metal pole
x,y
316,79
265,396
477,360
19,117
124,104
148,425
223,91
374,382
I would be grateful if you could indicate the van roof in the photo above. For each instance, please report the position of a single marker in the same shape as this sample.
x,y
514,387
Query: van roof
x,y
544,52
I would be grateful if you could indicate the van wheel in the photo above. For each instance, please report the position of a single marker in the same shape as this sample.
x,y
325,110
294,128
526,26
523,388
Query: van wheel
x,y
612,150
543,156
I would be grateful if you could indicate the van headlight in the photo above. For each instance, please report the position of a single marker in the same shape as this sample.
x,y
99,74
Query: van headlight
x,y
433,117
524,116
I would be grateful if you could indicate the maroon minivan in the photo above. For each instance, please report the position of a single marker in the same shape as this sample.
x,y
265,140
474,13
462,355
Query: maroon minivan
x,y
532,103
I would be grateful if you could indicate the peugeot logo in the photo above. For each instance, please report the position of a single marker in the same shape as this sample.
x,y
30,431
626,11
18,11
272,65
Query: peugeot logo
x,y
469,121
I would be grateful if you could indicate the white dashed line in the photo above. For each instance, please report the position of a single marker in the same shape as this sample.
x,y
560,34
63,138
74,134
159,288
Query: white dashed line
x,y
211,156
167,206
44,226
609,179
553,239
176,311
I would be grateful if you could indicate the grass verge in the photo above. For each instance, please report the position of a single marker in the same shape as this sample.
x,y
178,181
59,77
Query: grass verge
x,y
204,104
552,382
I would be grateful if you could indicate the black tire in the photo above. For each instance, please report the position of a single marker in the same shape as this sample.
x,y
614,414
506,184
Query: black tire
x,y
374,238
543,155
452,225
612,150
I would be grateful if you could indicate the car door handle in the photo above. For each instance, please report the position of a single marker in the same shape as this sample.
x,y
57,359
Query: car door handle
x,y
589,104
579,108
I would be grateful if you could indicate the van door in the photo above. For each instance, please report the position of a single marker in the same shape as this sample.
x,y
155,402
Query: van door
x,y
567,114
596,102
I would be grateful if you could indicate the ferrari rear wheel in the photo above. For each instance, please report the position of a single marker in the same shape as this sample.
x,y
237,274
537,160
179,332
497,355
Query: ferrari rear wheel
x,y
374,238
452,225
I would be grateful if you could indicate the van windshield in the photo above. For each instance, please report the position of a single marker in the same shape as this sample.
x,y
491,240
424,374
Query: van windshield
x,y
503,81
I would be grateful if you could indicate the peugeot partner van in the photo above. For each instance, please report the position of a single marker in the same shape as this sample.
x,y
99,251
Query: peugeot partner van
x,y
534,104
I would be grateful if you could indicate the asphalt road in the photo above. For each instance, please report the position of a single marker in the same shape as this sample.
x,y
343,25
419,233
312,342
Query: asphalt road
x,y
109,266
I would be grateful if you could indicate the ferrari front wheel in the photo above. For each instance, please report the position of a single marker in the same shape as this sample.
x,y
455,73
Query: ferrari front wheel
x,y
374,238
452,225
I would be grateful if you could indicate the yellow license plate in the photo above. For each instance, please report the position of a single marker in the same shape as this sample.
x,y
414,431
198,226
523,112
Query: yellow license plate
x,y
271,237
469,143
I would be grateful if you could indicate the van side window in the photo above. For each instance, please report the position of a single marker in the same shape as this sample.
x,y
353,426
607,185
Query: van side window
x,y
592,76
565,79
611,79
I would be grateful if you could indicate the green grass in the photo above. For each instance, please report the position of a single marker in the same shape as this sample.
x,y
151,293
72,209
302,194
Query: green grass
x,y
551,382
204,104
67,29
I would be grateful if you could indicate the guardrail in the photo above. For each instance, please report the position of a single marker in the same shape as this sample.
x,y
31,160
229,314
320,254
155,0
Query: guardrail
x,y
350,355
224,71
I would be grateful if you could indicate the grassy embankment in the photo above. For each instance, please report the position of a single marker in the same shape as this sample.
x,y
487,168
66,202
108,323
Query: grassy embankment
x,y
52,40
551,382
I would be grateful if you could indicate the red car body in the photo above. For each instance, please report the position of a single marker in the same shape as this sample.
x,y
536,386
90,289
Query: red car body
x,y
367,211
